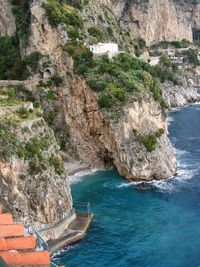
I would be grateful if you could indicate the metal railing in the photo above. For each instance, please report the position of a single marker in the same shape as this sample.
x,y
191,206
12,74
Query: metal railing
x,y
53,264
3,263
40,242
82,207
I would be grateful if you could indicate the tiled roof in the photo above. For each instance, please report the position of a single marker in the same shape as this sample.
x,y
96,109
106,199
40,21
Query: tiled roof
x,y
16,249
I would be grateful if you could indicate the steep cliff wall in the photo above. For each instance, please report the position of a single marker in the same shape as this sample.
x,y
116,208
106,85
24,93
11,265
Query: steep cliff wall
x,y
32,177
191,11
101,141
7,23
155,20
181,95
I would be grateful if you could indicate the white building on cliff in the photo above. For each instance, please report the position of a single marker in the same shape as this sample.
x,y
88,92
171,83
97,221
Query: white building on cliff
x,y
99,49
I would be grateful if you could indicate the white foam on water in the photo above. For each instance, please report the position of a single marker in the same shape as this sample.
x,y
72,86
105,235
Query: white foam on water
x,y
194,138
186,174
180,153
78,177
163,185
56,256
170,119
127,184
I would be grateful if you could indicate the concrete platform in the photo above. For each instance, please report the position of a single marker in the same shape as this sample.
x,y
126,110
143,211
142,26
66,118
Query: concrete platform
x,y
75,232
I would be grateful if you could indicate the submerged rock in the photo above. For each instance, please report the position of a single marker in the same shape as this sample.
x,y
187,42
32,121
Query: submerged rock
x,y
144,186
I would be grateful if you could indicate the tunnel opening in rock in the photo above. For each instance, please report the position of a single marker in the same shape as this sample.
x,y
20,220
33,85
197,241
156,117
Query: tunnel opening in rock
x,y
47,74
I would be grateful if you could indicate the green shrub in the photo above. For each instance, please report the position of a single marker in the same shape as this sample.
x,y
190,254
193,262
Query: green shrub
x,y
21,11
32,60
9,143
23,113
57,80
11,91
37,166
96,83
36,104
110,31
142,43
165,61
77,3
175,44
120,77
117,92
83,58
50,95
12,67
165,74
62,136
96,32
192,55
140,46
60,13
35,147
57,164
50,117
149,140
105,100
73,33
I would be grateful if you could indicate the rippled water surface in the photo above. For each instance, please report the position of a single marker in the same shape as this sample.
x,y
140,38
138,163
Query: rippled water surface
x,y
159,227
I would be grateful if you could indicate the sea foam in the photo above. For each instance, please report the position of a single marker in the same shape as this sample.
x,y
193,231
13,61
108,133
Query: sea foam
x,y
78,177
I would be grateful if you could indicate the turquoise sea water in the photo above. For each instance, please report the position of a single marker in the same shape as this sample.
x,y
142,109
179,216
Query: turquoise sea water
x,y
159,227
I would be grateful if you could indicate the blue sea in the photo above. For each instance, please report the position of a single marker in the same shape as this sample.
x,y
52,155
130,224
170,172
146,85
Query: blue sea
x,y
158,227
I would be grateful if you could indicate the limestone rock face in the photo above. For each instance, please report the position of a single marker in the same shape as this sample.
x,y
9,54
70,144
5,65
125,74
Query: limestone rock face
x,y
7,22
191,11
179,96
155,20
100,141
40,199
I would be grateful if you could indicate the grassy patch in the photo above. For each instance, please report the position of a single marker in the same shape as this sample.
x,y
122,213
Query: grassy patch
x,y
12,66
57,164
149,140
21,11
122,78
62,13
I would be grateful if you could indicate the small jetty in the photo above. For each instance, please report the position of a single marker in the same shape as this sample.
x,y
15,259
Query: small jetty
x,y
75,232
69,230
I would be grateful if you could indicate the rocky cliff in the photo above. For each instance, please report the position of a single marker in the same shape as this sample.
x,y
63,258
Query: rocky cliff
x,y
32,177
7,23
131,137
153,20
187,92
99,140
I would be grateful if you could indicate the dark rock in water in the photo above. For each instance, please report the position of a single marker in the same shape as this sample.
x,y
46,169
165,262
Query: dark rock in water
x,y
144,186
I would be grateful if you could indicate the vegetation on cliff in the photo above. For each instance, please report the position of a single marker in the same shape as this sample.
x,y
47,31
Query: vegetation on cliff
x,y
21,11
117,80
14,139
12,66
171,44
62,13
149,140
